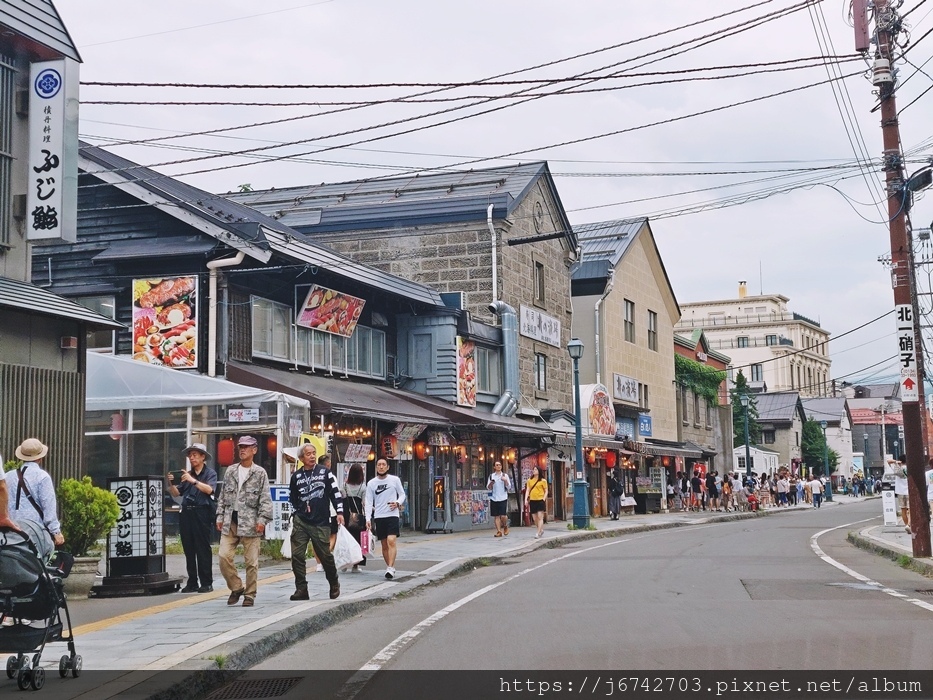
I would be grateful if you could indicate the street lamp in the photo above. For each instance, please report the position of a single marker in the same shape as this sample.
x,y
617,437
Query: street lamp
x,y
865,456
829,480
748,453
581,506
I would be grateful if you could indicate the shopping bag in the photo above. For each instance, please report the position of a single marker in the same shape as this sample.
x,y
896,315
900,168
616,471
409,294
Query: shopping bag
x,y
287,545
347,551
364,542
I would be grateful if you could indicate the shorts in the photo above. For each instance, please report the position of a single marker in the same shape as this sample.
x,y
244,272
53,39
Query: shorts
x,y
385,527
902,501
713,492
498,508
535,506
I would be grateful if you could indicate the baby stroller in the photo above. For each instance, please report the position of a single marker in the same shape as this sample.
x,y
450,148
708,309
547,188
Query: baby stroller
x,y
30,589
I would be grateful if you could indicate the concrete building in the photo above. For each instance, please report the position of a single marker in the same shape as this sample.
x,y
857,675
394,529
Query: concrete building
x,y
776,348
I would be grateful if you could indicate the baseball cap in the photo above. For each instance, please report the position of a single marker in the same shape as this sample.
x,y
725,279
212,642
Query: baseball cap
x,y
247,440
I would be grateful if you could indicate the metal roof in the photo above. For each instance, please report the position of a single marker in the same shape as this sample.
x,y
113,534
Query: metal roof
x,y
245,228
22,296
608,240
825,408
410,200
39,20
778,406
158,248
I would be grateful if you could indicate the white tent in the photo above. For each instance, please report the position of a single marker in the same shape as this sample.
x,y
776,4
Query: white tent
x,y
115,382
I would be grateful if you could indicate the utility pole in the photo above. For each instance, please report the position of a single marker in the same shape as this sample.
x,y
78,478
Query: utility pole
x,y
887,23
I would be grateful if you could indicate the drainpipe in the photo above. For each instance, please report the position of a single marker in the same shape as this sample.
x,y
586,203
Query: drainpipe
x,y
213,266
495,271
596,312
507,404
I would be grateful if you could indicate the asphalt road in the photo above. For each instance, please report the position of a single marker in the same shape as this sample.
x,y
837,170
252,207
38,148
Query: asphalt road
x,y
746,594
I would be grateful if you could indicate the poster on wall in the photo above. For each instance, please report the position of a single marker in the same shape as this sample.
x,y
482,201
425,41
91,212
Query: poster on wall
x,y
599,413
480,507
463,502
165,326
330,311
466,372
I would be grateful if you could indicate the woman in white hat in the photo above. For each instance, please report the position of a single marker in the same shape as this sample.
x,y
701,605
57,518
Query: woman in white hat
x,y
31,491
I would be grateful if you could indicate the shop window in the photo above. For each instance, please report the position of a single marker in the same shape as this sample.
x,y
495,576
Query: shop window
x,y
487,371
652,331
7,89
271,329
629,322
100,341
540,372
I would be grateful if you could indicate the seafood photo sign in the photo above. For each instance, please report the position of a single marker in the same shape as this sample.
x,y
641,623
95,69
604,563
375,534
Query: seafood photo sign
x,y
330,311
165,328
466,372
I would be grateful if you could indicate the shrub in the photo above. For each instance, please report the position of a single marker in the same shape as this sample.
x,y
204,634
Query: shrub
x,y
11,464
88,513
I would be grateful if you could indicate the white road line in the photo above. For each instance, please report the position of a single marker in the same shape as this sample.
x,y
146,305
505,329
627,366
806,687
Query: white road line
x,y
855,574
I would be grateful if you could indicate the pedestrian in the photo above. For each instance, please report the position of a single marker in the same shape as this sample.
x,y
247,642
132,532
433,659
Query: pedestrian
x,y
696,492
244,508
928,477
196,491
726,493
354,506
31,491
816,491
384,498
616,489
712,492
536,498
312,491
900,490
499,486
782,487
324,461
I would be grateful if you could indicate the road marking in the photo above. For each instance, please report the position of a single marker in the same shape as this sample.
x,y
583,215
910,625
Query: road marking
x,y
855,574
359,679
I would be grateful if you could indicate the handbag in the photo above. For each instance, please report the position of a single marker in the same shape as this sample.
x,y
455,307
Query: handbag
x,y
364,542
355,520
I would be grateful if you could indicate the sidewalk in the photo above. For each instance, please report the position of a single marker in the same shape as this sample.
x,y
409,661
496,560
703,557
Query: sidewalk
x,y
192,633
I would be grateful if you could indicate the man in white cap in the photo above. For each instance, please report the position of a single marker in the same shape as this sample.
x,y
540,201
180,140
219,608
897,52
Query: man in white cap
x,y
31,491
197,513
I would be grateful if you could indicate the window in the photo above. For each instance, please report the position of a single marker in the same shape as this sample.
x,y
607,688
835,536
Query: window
x,y
683,405
540,372
652,331
767,437
271,329
742,463
741,341
487,370
709,415
771,340
100,341
539,282
696,410
643,396
7,88
756,373
629,321
362,354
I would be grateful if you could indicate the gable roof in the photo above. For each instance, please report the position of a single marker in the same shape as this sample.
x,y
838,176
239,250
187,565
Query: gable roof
x,y
239,226
698,338
778,406
22,296
826,408
410,200
39,21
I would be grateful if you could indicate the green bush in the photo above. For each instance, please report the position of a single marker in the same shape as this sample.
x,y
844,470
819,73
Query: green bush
x,y
88,513
11,464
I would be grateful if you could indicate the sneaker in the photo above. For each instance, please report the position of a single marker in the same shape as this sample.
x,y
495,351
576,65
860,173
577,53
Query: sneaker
x,y
248,602
235,596
537,535
206,589
390,573
300,594
355,569
319,567
334,590
189,589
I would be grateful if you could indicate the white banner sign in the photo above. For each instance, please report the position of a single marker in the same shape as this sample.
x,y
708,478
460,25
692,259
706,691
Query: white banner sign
x,y
889,506
539,326
907,352
243,415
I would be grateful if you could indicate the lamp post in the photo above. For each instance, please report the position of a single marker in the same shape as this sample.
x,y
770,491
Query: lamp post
x,y
829,479
748,453
581,506
865,471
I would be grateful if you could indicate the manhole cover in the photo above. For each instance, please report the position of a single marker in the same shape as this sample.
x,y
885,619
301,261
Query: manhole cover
x,y
925,591
259,688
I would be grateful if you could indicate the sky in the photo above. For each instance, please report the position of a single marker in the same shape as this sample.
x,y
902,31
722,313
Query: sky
x,y
769,191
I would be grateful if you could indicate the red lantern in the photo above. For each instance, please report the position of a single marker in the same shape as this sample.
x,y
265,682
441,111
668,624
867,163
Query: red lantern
x,y
610,459
421,450
542,459
225,452
591,457
271,444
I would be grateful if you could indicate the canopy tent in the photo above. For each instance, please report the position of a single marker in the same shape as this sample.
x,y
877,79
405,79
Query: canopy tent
x,y
115,382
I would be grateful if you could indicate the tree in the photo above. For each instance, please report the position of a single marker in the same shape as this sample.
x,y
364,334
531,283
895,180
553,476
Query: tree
x,y
813,448
738,413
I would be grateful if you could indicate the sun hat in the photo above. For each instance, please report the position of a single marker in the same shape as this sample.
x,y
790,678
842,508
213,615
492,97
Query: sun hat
x,y
200,447
31,449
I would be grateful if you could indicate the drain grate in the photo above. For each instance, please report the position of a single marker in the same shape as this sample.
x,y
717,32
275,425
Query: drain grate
x,y
259,688
925,591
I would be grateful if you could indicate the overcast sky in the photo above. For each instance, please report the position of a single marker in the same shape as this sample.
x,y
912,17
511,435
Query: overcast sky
x,y
817,245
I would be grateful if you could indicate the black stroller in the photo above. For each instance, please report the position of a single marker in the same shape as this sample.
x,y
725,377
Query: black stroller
x,y
33,590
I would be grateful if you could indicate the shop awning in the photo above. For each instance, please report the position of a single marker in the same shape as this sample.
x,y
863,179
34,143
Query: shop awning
x,y
672,451
115,383
336,396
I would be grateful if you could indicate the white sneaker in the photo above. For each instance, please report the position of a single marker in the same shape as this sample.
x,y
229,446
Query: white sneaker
x,y
319,567
390,573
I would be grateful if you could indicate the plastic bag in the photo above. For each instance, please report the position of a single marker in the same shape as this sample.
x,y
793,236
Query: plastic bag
x,y
347,551
364,542
287,545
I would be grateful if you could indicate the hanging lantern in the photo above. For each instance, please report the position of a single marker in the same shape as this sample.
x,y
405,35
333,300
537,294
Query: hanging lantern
x,y
610,459
421,450
271,444
225,452
542,460
591,457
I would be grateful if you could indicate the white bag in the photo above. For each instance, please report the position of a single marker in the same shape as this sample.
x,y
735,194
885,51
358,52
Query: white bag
x,y
347,550
287,545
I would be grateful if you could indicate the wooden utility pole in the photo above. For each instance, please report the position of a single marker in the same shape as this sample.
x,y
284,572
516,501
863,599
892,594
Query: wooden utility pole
x,y
886,25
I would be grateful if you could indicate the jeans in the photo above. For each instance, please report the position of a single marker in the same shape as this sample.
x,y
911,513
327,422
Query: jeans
x,y
817,499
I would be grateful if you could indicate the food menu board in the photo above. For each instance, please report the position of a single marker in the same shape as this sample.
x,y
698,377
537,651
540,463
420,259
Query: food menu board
x,y
138,530
466,372
165,327
330,311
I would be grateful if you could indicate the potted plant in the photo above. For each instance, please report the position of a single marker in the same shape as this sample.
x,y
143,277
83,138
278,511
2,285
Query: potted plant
x,y
88,513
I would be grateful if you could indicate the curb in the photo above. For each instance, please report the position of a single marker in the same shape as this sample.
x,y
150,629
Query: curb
x,y
921,567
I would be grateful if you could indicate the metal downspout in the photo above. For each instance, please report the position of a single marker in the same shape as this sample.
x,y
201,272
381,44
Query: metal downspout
x,y
213,266
507,404
596,312
495,268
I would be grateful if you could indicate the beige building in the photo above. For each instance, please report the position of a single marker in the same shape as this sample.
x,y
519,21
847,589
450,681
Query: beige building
x,y
776,349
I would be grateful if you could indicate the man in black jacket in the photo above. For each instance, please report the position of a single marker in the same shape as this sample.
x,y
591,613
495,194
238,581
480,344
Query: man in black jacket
x,y
312,490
